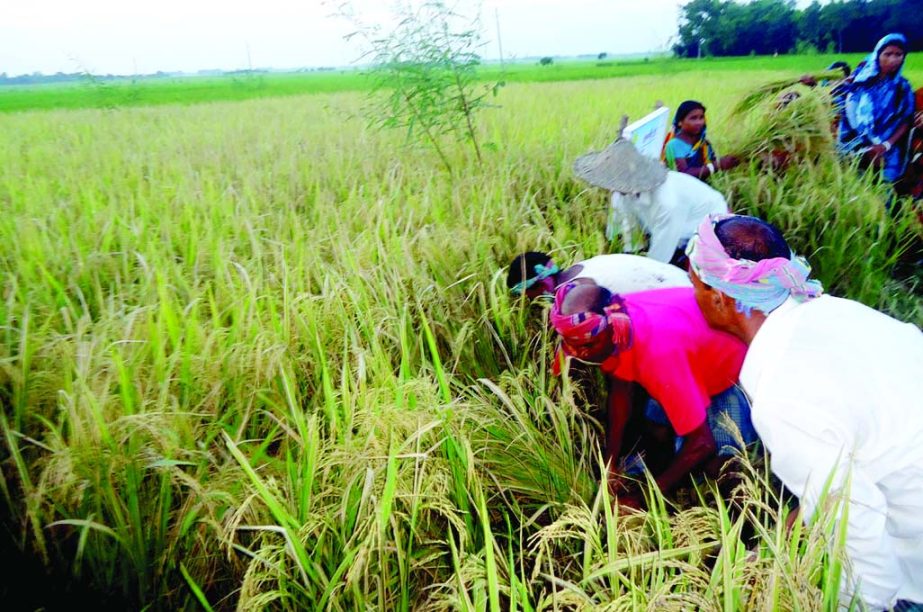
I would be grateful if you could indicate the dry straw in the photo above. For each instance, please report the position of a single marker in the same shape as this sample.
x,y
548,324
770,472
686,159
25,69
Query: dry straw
x,y
797,124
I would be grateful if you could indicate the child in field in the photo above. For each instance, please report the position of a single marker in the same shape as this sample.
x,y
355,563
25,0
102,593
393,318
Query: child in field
x,y
686,148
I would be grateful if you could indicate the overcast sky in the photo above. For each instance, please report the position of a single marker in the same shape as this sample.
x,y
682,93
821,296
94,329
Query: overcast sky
x,y
127,37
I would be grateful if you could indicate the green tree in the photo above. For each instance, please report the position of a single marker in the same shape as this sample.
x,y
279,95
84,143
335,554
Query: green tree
x,y
424,72
811,28
770,26
698,27
735,27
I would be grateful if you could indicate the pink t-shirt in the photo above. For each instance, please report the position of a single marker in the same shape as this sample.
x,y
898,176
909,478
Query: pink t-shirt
x,y
675,355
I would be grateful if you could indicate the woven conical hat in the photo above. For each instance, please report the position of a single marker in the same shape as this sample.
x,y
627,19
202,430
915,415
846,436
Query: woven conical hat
x,y
619,167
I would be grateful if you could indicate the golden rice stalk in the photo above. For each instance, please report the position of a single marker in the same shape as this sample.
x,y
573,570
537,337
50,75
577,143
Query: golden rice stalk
x,y
764,92
800,127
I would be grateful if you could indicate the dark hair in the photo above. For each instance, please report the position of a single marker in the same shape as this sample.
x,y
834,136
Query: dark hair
x,y
750,238
586,298
895,43
841,66
603,299
523,267
684,109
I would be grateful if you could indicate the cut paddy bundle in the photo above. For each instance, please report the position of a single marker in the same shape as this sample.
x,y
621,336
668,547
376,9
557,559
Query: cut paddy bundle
x,y
770,90
797,124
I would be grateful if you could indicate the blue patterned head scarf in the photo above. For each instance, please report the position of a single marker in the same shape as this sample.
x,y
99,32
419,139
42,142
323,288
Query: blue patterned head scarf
x,y
870,67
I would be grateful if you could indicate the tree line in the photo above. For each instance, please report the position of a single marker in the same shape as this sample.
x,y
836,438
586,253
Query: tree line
x,y
765,27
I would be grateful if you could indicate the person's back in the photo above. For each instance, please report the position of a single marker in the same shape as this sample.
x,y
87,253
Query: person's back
x,y
673,211
675,355
847,362
621,273
837,396
536,274
692,197
660,340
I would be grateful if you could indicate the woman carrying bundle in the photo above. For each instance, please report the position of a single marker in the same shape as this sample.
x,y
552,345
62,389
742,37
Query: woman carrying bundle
x,y
687,150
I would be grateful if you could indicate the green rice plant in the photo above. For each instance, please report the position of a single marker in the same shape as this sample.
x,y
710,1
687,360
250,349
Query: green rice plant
x,y
832,214
200,596
535,448
251,357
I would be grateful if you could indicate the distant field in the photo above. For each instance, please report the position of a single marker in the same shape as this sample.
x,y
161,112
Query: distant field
x,y
191,90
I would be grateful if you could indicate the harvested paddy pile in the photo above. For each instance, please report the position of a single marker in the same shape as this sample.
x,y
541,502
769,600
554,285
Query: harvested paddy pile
x,y
792,126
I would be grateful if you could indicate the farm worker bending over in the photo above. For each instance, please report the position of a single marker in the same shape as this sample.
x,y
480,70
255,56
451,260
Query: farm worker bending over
x,y
536,275
837,391
686,148
668,205
660,340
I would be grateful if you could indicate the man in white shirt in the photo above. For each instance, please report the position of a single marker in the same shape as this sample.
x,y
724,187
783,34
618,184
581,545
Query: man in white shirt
x,y
667,205
836,391
536,274
670,213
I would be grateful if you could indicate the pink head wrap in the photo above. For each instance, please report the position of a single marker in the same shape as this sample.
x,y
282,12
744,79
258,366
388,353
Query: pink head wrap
x,y
578,329
763,284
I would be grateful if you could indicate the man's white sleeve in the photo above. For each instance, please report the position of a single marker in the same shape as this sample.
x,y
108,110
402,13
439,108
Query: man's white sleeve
x,y
666,223
804,453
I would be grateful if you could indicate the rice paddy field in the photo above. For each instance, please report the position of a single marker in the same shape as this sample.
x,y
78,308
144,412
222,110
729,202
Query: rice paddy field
x,y
255,355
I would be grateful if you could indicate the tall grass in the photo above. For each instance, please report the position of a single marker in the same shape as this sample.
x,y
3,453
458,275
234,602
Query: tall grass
x,y
254,356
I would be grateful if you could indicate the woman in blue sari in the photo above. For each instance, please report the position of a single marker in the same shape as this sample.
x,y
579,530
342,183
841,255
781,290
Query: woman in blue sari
x,y
877,107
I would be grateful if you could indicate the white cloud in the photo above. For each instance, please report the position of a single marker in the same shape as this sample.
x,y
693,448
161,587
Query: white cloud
x,y
122,37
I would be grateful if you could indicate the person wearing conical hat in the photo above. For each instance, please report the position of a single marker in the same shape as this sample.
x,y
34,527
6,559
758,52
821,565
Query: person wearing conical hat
x,y
667,205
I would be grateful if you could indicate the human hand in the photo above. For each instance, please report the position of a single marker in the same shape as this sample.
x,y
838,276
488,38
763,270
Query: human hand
x,y
624,493
778,160
630,501
808,80
918,119
727,162
876,151
617,486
